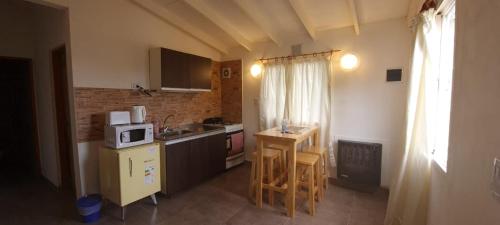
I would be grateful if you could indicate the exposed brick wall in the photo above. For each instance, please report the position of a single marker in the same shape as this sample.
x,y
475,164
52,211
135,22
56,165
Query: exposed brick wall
x,y
232,93
92,103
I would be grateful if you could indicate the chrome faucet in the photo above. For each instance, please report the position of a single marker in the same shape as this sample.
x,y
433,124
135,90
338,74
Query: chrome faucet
x,y
165,128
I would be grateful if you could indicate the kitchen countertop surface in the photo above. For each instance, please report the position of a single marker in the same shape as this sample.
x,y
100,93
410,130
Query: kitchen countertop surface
x,y
194,131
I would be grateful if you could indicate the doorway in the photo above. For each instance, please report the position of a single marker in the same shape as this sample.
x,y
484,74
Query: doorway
x,y
19,153
60,79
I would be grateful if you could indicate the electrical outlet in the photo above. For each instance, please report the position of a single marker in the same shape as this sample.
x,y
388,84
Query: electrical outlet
x,y
135,84
495,179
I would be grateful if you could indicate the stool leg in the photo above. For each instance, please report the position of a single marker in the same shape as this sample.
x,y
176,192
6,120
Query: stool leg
x,y
319,178
325,171
280,166
270,178
283,160
251,186
311,191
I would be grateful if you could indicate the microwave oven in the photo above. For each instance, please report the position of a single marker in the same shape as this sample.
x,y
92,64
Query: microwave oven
x,y
128,135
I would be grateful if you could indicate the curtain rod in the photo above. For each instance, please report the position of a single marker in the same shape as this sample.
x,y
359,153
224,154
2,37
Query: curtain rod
x,y
303,55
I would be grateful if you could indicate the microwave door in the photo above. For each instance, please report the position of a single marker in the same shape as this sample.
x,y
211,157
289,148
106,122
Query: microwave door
x,y
137,135
125,137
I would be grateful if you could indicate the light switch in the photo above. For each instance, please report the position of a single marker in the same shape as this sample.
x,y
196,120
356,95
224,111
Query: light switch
x,y
495,181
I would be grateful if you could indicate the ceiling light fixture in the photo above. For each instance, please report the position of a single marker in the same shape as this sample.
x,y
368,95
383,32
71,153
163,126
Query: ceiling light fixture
x,y
349,62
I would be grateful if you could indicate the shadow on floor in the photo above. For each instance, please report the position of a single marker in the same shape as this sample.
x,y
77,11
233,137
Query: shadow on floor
x,y
222,200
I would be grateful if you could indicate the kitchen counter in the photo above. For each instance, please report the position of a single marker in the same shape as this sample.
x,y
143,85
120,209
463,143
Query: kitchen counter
x,y
190,132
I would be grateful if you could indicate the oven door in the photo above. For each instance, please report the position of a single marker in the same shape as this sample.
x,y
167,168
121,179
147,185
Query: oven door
x,y
234,143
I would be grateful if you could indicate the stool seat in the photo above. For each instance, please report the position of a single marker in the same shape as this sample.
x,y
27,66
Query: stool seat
x,y
307,159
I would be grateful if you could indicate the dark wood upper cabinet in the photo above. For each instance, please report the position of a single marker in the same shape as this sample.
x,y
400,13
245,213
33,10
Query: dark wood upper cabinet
x,y
200,72
172,70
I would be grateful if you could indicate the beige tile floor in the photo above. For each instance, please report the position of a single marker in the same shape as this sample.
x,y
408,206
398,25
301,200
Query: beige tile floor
x,y
219,201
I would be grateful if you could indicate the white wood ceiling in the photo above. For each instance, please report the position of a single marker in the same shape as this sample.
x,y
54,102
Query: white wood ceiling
x,y
224,24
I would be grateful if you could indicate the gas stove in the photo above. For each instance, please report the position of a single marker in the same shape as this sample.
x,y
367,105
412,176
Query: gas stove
x,y
234,140
230,128
219,122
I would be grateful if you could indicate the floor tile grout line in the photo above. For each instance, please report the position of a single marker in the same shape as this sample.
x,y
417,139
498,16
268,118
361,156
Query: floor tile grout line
x,y
349,218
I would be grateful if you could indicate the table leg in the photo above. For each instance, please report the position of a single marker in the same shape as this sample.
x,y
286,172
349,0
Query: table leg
x,y
291,180
260,172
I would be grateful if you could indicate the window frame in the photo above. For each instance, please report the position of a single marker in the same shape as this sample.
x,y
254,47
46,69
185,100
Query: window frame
x,y
440,153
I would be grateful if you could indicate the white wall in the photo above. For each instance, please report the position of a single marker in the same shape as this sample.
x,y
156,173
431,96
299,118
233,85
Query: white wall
x,y
461,196
110,41
365,106
51,32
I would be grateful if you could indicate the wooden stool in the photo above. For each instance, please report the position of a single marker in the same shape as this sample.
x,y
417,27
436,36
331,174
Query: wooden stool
x,y
269,155
284,154
309,164
323,154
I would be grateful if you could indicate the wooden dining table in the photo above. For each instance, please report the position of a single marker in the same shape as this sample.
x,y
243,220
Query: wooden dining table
x,y
291,140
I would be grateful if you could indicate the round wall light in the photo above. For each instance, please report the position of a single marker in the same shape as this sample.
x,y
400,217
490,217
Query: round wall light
x,y
256,69
349,62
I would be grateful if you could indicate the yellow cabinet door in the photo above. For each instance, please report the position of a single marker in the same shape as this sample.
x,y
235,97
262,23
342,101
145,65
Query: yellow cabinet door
x,y
139,173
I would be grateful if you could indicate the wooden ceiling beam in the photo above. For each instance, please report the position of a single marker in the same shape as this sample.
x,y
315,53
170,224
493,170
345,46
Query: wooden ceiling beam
x,y
298,7
169,17
202,7
354,15
254,14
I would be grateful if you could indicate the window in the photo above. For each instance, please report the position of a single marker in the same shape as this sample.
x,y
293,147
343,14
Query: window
x,y
445,80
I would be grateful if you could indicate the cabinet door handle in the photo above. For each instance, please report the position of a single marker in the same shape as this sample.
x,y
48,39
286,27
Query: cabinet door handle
x,y
130,166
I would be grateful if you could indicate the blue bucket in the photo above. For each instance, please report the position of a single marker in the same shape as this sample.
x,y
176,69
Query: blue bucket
x,y
89,207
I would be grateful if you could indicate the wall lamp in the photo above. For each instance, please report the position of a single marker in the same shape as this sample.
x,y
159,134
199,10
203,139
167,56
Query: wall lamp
x,y
256,69
349,62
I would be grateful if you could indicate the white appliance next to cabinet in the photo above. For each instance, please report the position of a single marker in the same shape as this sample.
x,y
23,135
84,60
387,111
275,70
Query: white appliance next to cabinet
x,y
128,135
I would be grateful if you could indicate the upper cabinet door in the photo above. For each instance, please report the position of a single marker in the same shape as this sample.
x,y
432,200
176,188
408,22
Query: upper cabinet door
x,y
200,72
178,71
174,69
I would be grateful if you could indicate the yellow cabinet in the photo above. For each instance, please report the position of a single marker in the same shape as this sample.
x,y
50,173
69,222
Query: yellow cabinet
x,y
130,174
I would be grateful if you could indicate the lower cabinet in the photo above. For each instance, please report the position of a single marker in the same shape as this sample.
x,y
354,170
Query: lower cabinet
x,y
192,162
177,167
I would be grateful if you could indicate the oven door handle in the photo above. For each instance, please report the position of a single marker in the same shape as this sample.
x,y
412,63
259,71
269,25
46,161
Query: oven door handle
x,y
229,143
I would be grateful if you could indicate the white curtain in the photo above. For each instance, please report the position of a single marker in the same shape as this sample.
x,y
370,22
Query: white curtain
x,y
298,90
409,196
308,94
272,95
